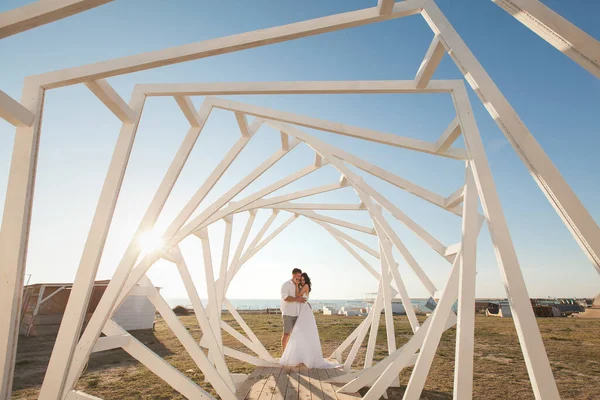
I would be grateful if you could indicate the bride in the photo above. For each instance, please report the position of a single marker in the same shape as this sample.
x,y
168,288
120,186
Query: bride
x,y
304,345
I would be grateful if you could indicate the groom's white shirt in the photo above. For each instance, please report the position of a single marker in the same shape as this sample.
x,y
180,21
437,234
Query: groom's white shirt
x,y
288,307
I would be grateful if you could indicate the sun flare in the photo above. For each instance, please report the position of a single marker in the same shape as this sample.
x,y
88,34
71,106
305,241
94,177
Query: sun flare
x,y
150,241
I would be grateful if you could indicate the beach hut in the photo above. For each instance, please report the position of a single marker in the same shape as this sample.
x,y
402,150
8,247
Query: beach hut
x,y
44,305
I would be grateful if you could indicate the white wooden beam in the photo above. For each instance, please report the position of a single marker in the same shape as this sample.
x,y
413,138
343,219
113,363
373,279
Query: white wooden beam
x,y
430,62
262,351
285,142
159,366
238,251
243,124
116,291
360,337
218,376
449,136
465,329
271,236
78,395
247,358
566,203
111,342
354,254
315,206
224,263
188,109
341,129
42,12
111,99
556,30
385,6
345,236
227,44
455,198
538,365
14,112
293,87
290,196
339,222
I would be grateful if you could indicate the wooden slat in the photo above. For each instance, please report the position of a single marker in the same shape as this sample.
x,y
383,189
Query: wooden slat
x,y
259,385
303,383
247,385
315,385
291,392
269,389
282,383
334,372
328,389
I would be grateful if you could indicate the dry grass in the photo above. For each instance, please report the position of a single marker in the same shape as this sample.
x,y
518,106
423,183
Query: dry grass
x,y
573,347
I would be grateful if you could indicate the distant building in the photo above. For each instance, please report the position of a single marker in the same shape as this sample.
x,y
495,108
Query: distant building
x,y
44,305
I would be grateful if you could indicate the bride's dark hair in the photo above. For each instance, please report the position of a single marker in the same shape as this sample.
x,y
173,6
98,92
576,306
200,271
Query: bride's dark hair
x,y
307,281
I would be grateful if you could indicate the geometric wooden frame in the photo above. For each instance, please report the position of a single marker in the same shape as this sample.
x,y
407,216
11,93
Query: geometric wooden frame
x,y
26,116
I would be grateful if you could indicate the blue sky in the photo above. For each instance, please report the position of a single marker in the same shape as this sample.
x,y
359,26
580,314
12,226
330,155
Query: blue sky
x,y
556,98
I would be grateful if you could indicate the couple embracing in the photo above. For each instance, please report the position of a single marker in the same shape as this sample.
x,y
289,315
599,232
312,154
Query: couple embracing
x,y
300,341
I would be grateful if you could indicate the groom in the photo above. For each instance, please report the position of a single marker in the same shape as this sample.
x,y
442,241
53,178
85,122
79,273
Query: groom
x,y
289,305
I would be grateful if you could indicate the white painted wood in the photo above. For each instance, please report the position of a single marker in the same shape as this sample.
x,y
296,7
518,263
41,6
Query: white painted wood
x,y
318,160
453,249
199,311
159,366
290,196
354,254
433,336
271,236
432,328
227,44
465,329
292,87
188,109
77,395
218,377
393,269
213,312
111,99
111,342
385,6
450,135
243,204
359,185
537,363
13,112
339,222
455,198
253,244
14,235
238,251
220,288
200,221
264,354
243,124
239,337
117,289
345,236
337,353
430,62
341,129
210,182
360,337
566,203
238,355
387,301
374,329
285,141
40,13
76,308
316,206
556,30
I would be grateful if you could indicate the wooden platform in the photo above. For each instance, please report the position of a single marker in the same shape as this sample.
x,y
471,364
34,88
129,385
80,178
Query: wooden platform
x,y
297,383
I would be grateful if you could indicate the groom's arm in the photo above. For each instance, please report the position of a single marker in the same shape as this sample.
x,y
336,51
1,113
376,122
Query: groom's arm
x,y
286,297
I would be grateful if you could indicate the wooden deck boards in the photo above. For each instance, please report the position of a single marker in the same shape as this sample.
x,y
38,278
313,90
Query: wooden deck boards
x,y
297,383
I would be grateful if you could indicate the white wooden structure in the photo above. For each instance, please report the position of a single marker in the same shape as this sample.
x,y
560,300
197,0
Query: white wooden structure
x,y
71,352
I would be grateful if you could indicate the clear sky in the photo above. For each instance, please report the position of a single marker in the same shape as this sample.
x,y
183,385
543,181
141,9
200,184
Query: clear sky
x,y
557,99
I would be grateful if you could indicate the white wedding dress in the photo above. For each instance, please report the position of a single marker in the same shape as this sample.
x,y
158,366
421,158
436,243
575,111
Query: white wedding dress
x,y
304,346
